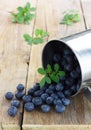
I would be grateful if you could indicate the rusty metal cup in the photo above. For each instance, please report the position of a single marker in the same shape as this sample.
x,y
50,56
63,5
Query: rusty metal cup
x,y
80,44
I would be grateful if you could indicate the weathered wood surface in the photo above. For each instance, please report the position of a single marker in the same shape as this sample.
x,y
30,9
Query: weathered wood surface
x,y
79,111
15,55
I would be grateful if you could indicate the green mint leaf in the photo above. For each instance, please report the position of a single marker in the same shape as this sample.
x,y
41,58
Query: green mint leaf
x,y
41,71
28,38
14,20
37,32
33,9
48,69
20,9
20,19
56,67
45,34
27,22
28,17
56,79
27,6
37,40
48,80
61,73
24,14
41,31
70,17
43,81
76,18
52,76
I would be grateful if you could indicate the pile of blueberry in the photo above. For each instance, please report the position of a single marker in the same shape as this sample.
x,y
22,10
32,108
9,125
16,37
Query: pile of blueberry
x,y
69,63
54,95
36,97
15,100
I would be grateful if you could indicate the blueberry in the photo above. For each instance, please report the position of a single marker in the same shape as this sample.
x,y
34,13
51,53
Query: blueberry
x,y
37,101
36,86
49,91
73,88
67,93
44,87
63,62
59,87
62,78
52,87
69,59
65,101
12,111
69,81
67,52
38,93
31,91
68,67
19,95
74,74
44,96
45,108
49,100
56,58
54,95
15,103
20,87
78,69
60,94
29,106
9,95
27,98
79,82
57,101
60,108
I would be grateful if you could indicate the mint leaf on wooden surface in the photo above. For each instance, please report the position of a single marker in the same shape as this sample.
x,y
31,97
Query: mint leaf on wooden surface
x,y
70,17
38,37
24,14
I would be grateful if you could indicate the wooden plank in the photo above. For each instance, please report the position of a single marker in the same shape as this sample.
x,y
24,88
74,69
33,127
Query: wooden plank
x,y
12,5
48,13
35,62
86,7
14,55
58,127
54,15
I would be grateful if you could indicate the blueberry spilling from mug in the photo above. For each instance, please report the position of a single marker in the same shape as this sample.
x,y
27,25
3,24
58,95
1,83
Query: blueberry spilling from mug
x,y
50,95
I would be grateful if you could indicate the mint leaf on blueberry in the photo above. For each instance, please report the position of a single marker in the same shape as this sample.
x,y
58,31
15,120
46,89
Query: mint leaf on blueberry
x,y
50,74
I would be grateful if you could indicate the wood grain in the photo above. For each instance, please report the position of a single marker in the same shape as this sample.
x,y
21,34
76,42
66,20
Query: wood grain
x,y
86,7
57,127
14,56
54,15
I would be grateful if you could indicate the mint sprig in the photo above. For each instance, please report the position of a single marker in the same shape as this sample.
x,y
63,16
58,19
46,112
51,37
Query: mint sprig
x,y
24,14
50,74
38,38
70,17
